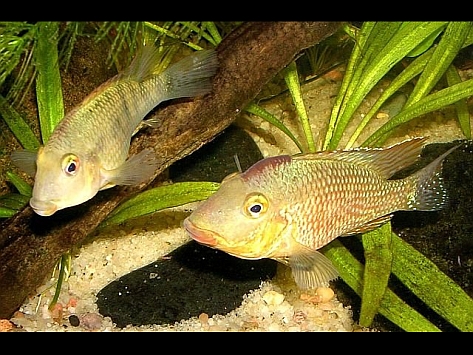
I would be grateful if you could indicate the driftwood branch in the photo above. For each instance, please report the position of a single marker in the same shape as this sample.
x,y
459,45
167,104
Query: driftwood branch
x,y
249,57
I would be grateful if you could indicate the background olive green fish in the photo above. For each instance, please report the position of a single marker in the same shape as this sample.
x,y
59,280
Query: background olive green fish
x,y
285,208
88,150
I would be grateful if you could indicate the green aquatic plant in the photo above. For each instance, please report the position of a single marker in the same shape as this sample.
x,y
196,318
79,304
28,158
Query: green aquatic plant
x,y
378,47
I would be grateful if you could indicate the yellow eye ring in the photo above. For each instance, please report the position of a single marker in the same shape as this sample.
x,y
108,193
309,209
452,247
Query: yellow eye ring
x,y
256,205
70,164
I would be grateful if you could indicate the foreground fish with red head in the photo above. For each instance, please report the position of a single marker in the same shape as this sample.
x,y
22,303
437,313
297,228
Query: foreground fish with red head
x,y
285,208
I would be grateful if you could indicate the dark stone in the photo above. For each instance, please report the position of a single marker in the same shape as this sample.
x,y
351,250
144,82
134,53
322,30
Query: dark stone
x,y
74,320
193,278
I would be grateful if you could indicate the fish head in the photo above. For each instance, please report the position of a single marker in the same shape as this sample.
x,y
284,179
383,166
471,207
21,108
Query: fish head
x,y
237,219
62,180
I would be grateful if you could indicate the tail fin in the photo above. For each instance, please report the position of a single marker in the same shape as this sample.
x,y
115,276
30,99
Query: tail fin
x,y
191,76
430,193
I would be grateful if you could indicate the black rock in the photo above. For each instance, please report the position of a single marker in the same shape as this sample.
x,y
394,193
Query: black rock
x,y
191,280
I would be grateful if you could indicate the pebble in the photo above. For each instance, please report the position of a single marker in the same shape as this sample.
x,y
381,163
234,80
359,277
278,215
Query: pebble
x,y
273,298
74,320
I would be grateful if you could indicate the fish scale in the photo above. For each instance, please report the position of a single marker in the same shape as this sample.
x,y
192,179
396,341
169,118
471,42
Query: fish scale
x,y
286,208
326,214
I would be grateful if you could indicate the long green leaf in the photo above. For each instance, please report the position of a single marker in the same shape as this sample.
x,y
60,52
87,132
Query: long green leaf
x,y
18,126
159,198
461,106
6,212
13,201
361,37
21,185
216,37
431,285
400,44
432,102
261,112
358,59
392,307
414,69
378,255
451,42
48,81
291,77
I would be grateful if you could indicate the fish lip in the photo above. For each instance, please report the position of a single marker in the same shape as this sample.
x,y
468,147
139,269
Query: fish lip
x,y
43,208
202,236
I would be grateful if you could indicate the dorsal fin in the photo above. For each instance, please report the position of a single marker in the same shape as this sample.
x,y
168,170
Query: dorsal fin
x,y
144,64
386,161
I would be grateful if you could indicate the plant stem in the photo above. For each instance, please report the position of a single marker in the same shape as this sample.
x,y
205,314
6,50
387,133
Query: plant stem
x,y
292,81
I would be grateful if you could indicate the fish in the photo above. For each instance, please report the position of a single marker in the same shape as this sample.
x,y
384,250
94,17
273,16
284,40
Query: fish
x,y
88,150
288,207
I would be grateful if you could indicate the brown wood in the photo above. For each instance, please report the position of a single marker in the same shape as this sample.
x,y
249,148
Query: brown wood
x,y
249,57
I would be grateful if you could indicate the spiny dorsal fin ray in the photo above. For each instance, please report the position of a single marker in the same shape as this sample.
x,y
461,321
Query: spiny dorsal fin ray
x,y
386,161
144,64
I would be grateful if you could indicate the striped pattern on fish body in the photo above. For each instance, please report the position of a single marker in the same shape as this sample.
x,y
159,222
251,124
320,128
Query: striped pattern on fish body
x,y
88,150
285,208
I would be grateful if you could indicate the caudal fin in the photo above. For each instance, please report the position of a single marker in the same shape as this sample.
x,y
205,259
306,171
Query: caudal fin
x,y
430,193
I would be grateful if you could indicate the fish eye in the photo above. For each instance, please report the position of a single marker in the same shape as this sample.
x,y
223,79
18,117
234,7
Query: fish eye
x,y
70,164
255,205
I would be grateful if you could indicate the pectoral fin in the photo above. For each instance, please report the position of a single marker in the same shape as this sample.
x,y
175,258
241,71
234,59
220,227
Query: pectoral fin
x,y
310,268
134,171
25,160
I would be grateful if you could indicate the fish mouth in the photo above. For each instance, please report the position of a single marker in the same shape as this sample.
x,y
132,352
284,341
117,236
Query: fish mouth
x,y
43,208
202,236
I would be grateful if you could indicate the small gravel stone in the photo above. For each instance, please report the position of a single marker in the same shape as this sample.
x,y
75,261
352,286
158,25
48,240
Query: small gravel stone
x,y
74,320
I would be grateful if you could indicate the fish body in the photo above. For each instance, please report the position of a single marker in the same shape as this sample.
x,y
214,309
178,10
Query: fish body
x,y
88,150
286,208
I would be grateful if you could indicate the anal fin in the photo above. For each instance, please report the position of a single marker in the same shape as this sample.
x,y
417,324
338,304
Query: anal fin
x,y
375,223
